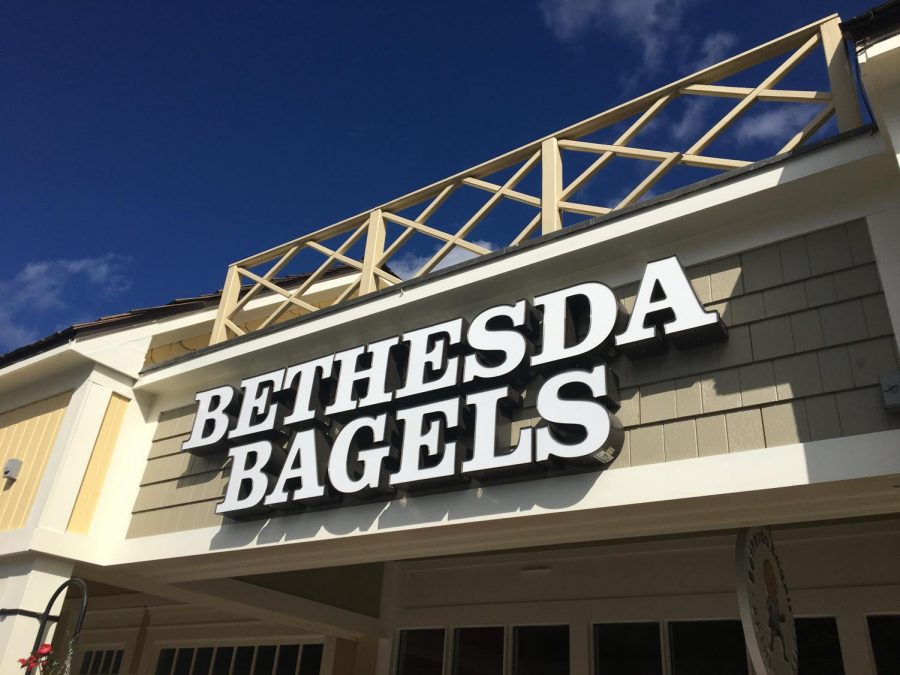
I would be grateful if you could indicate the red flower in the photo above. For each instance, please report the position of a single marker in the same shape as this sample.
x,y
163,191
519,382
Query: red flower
x,y
44,650
23,663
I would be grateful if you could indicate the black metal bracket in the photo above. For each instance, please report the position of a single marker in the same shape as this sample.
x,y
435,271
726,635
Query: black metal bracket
x,y
46,616
27,612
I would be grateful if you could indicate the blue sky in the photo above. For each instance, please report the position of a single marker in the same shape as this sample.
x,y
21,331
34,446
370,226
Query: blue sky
x,y
144,146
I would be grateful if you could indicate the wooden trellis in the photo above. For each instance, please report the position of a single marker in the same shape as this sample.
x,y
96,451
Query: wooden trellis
x,y
555,196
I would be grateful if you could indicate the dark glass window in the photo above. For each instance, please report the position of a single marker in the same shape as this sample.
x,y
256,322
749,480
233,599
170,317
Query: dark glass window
x,y
202,661
262,660
243,660
311,659
421,652
707,648
265,660
104,662
222,662
818,647
627,649
288,655
183,662
164,664
884,633
541,650
478,651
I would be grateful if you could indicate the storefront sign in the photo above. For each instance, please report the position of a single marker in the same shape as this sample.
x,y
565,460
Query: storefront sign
x,y
421,410
765,605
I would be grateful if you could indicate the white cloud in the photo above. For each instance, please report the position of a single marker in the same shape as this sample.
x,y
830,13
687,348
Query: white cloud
x,y
714,48
692,122
651,23
44,287
779,124
407,264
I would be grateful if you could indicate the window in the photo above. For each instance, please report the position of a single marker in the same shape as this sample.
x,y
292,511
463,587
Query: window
x,y
541,650
707,648
421,652
101,662
818,647
478,651
627,649
883,633
290,659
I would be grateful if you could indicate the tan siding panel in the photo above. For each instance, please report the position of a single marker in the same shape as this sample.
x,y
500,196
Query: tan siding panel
x,y
175,422
98,465
167,446
28,434
809,333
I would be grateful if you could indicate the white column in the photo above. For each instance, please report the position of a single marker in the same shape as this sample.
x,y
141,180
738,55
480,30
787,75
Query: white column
x,y
884,231
880,69
854,637
28,582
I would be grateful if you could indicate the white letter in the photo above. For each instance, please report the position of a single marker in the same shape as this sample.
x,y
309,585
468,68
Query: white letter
x,y
370,475
602,432
484,442
666,292
257,402
305,460
418,433
308,402
428,368
234,504
602,311
352,376
212,419
482,338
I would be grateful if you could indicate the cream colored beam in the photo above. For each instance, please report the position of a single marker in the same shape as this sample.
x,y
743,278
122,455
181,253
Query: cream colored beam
x,y
499,190
227,303
654,155
843,87
375,237
237,330
268,276
410,230
437,234
713,162
650,180
584,209
528,231
774,78
811,127
325,266
776,95
622,140
505,190
621,150
551,186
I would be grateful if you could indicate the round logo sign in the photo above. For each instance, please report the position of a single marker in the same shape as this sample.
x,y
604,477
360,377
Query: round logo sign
x,y
764,604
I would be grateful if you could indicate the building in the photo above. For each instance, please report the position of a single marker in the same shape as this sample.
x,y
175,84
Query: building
x,y
285,478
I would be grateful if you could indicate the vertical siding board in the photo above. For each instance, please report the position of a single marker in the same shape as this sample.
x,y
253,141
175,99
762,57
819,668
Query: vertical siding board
x,y
27,433
98,465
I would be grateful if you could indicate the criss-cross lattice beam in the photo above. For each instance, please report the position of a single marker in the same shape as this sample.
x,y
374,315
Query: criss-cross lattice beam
x,y
499,191
555,197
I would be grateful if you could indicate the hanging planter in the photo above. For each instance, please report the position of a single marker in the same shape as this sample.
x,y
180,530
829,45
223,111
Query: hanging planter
x,y
42,660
